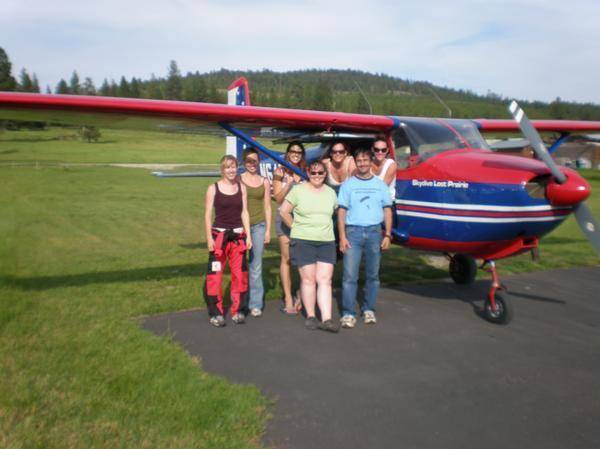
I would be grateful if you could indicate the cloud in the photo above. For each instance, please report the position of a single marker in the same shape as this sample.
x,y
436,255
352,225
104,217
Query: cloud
x,y
529,49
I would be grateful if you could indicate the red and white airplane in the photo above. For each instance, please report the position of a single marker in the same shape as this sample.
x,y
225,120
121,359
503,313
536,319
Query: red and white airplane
x,y
453,194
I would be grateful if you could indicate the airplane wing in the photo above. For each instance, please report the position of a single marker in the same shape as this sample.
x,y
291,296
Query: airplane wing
x,y
175,115
561,126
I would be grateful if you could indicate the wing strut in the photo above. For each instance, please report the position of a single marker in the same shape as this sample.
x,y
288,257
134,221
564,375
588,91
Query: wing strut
x,y
558,142
260,147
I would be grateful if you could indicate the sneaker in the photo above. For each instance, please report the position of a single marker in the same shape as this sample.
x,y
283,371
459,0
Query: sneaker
x,y
311,323
239,318
369,317
217,321
348,321
329,326
256,313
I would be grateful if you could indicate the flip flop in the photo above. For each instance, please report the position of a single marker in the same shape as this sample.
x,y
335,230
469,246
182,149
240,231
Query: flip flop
x,y
289,312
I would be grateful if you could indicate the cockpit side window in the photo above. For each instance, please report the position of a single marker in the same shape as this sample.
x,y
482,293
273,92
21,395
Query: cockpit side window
x,y
402,148
428,137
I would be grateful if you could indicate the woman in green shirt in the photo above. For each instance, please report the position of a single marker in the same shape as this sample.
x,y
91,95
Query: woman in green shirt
x,y
312,244
259,208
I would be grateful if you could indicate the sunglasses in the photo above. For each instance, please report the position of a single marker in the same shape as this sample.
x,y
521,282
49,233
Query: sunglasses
x,y
251,161
380,150
295,152
317,173
338,152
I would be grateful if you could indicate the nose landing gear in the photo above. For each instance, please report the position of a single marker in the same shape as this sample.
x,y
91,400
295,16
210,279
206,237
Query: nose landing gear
x,y
497,308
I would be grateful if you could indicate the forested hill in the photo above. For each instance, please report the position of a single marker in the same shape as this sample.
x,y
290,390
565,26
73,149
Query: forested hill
x,y
339,90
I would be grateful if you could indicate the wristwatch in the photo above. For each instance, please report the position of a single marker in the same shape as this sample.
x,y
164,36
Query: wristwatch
x,y
389,236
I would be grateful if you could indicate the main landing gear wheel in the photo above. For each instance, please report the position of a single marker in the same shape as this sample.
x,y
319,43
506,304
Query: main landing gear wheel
x,y
463,269
502,312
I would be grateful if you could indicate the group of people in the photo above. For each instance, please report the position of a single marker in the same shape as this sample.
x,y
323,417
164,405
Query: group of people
x,y
347,199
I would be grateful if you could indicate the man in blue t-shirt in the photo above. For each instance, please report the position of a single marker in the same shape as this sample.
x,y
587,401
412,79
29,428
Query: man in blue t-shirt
x,y
364,204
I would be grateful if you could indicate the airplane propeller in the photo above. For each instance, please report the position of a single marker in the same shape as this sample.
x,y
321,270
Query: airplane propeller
x,y
588,224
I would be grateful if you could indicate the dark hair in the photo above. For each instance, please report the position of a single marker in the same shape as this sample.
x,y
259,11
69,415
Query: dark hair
x,y
365,151
302,163
380,138
295,143
249,151
329,153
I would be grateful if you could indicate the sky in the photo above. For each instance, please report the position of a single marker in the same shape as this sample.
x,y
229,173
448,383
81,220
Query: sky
x,y
528,49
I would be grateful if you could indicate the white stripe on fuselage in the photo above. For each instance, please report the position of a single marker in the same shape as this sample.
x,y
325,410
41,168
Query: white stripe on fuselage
x,y
479,219
479,206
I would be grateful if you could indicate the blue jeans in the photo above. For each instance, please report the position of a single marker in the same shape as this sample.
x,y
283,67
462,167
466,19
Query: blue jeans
x,y
255,279
363,240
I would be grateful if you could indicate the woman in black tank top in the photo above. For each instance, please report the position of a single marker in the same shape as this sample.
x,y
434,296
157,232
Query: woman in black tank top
x,y
228,238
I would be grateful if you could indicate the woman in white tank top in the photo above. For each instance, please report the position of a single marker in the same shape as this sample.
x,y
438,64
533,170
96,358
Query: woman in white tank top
x,y
384,167
339,164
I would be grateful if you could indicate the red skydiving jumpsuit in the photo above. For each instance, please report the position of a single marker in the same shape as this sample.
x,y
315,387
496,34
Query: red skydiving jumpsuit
x,y
230,244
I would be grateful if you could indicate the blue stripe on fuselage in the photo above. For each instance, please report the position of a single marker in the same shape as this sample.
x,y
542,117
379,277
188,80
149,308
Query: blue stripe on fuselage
x,y
513,195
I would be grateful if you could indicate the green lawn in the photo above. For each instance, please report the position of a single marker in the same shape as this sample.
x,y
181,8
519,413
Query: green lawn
x,y
85,251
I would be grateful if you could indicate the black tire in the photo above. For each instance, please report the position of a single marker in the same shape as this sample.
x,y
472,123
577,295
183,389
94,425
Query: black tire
x,y
463,269
504,312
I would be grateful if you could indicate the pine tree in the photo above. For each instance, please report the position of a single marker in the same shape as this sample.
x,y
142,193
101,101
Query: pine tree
x,y
7,82
88,87
323,97
35,84
194,88
105,88
124,90
134,88
173,86
153,89
74,86
113,89
25,83
61,87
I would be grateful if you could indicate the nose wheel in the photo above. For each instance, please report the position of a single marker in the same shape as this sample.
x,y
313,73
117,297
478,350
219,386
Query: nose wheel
x,y
497,308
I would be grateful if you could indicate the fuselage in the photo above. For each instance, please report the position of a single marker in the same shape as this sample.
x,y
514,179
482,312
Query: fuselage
x,y
474,201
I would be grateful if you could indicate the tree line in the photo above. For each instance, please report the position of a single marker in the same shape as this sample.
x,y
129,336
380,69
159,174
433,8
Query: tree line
x,y
326,90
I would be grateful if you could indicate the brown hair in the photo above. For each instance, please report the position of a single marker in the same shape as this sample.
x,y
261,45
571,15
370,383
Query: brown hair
x,y
249,151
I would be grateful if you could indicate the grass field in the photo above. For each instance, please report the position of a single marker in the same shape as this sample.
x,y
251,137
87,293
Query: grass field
x,y
86,251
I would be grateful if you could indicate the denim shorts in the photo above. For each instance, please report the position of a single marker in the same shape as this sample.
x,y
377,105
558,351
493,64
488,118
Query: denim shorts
x,y
280,227
308,252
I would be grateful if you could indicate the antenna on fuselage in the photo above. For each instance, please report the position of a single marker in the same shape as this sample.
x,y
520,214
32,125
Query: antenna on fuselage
x,y
440,100
365,97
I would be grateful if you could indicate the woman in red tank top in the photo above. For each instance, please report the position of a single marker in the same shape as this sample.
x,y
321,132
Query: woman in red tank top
x,y
228,239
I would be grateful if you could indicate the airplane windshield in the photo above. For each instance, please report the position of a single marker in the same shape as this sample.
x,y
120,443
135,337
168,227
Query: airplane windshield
x,y
428,137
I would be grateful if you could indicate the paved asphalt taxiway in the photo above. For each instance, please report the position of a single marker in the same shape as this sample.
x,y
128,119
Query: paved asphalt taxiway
x,y
430,374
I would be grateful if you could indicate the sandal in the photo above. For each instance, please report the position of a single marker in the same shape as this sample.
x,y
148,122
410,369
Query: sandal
x,y
297,304
289,312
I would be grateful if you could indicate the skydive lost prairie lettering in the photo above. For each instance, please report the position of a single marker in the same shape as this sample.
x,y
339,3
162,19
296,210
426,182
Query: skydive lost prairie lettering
x,y
444,184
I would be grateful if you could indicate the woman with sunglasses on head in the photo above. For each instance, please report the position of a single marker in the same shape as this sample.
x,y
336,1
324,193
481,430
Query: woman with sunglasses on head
x,y
283,181
258,190
339,164
312,244
384,167
227,238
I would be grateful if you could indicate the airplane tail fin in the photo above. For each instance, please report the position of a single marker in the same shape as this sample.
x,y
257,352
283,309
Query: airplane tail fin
x,y
238,93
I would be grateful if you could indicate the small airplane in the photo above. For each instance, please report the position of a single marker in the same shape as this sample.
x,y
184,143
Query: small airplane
x,y
454,195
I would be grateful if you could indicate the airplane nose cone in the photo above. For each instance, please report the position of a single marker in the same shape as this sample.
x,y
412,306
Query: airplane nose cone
x,y
573,191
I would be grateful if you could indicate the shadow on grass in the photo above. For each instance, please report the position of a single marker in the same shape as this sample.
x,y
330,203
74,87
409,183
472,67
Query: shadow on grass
x,y
193,270
105,277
